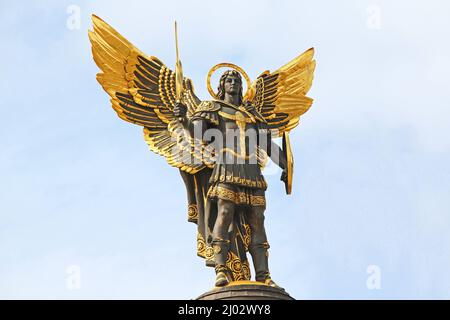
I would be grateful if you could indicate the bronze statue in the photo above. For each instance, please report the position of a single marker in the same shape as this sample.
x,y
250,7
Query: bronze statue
x,y
220,146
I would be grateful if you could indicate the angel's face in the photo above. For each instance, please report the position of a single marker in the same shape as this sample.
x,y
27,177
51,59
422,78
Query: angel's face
x,y
232,85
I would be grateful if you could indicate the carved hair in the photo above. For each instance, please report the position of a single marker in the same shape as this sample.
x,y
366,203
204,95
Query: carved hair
x,y
221,87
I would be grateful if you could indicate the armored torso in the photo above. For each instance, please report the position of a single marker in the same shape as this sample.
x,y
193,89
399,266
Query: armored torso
x,y
239,154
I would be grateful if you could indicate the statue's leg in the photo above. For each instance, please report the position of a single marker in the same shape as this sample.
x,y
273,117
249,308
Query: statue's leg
x,y
221,241
259,246
258,242
256,218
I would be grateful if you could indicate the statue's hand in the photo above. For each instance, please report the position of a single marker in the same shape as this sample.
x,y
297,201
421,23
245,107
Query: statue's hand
x,y
248,104
179,110
284,176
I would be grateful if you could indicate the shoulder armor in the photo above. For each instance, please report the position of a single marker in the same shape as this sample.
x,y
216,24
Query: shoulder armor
x,y
207,106
207,110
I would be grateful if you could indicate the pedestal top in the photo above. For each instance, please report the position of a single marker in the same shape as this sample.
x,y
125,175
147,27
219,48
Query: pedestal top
x,y
245,290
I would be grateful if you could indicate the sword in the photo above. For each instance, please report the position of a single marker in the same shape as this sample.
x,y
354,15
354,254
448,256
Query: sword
x,y
178,73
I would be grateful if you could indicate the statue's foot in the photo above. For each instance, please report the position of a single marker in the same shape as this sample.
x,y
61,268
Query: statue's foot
x,y
269,282
221,279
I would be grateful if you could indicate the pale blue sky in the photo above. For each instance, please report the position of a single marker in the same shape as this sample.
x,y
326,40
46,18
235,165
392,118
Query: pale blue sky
x,y
79,186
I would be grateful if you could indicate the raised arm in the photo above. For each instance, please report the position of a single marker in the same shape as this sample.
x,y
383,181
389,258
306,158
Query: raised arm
x,y
196,126
180,111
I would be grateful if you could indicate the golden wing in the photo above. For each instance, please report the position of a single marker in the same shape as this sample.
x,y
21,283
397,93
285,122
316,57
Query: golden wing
x,y
142,91
280,96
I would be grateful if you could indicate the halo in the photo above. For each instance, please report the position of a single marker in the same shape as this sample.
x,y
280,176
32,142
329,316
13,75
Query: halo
x,y
229,65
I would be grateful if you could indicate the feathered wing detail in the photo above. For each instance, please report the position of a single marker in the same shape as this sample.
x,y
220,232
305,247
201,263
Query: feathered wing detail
x,y
142,91
280,96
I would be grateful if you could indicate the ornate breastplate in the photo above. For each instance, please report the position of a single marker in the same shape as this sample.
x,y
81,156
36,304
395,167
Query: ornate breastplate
x,y
242,117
